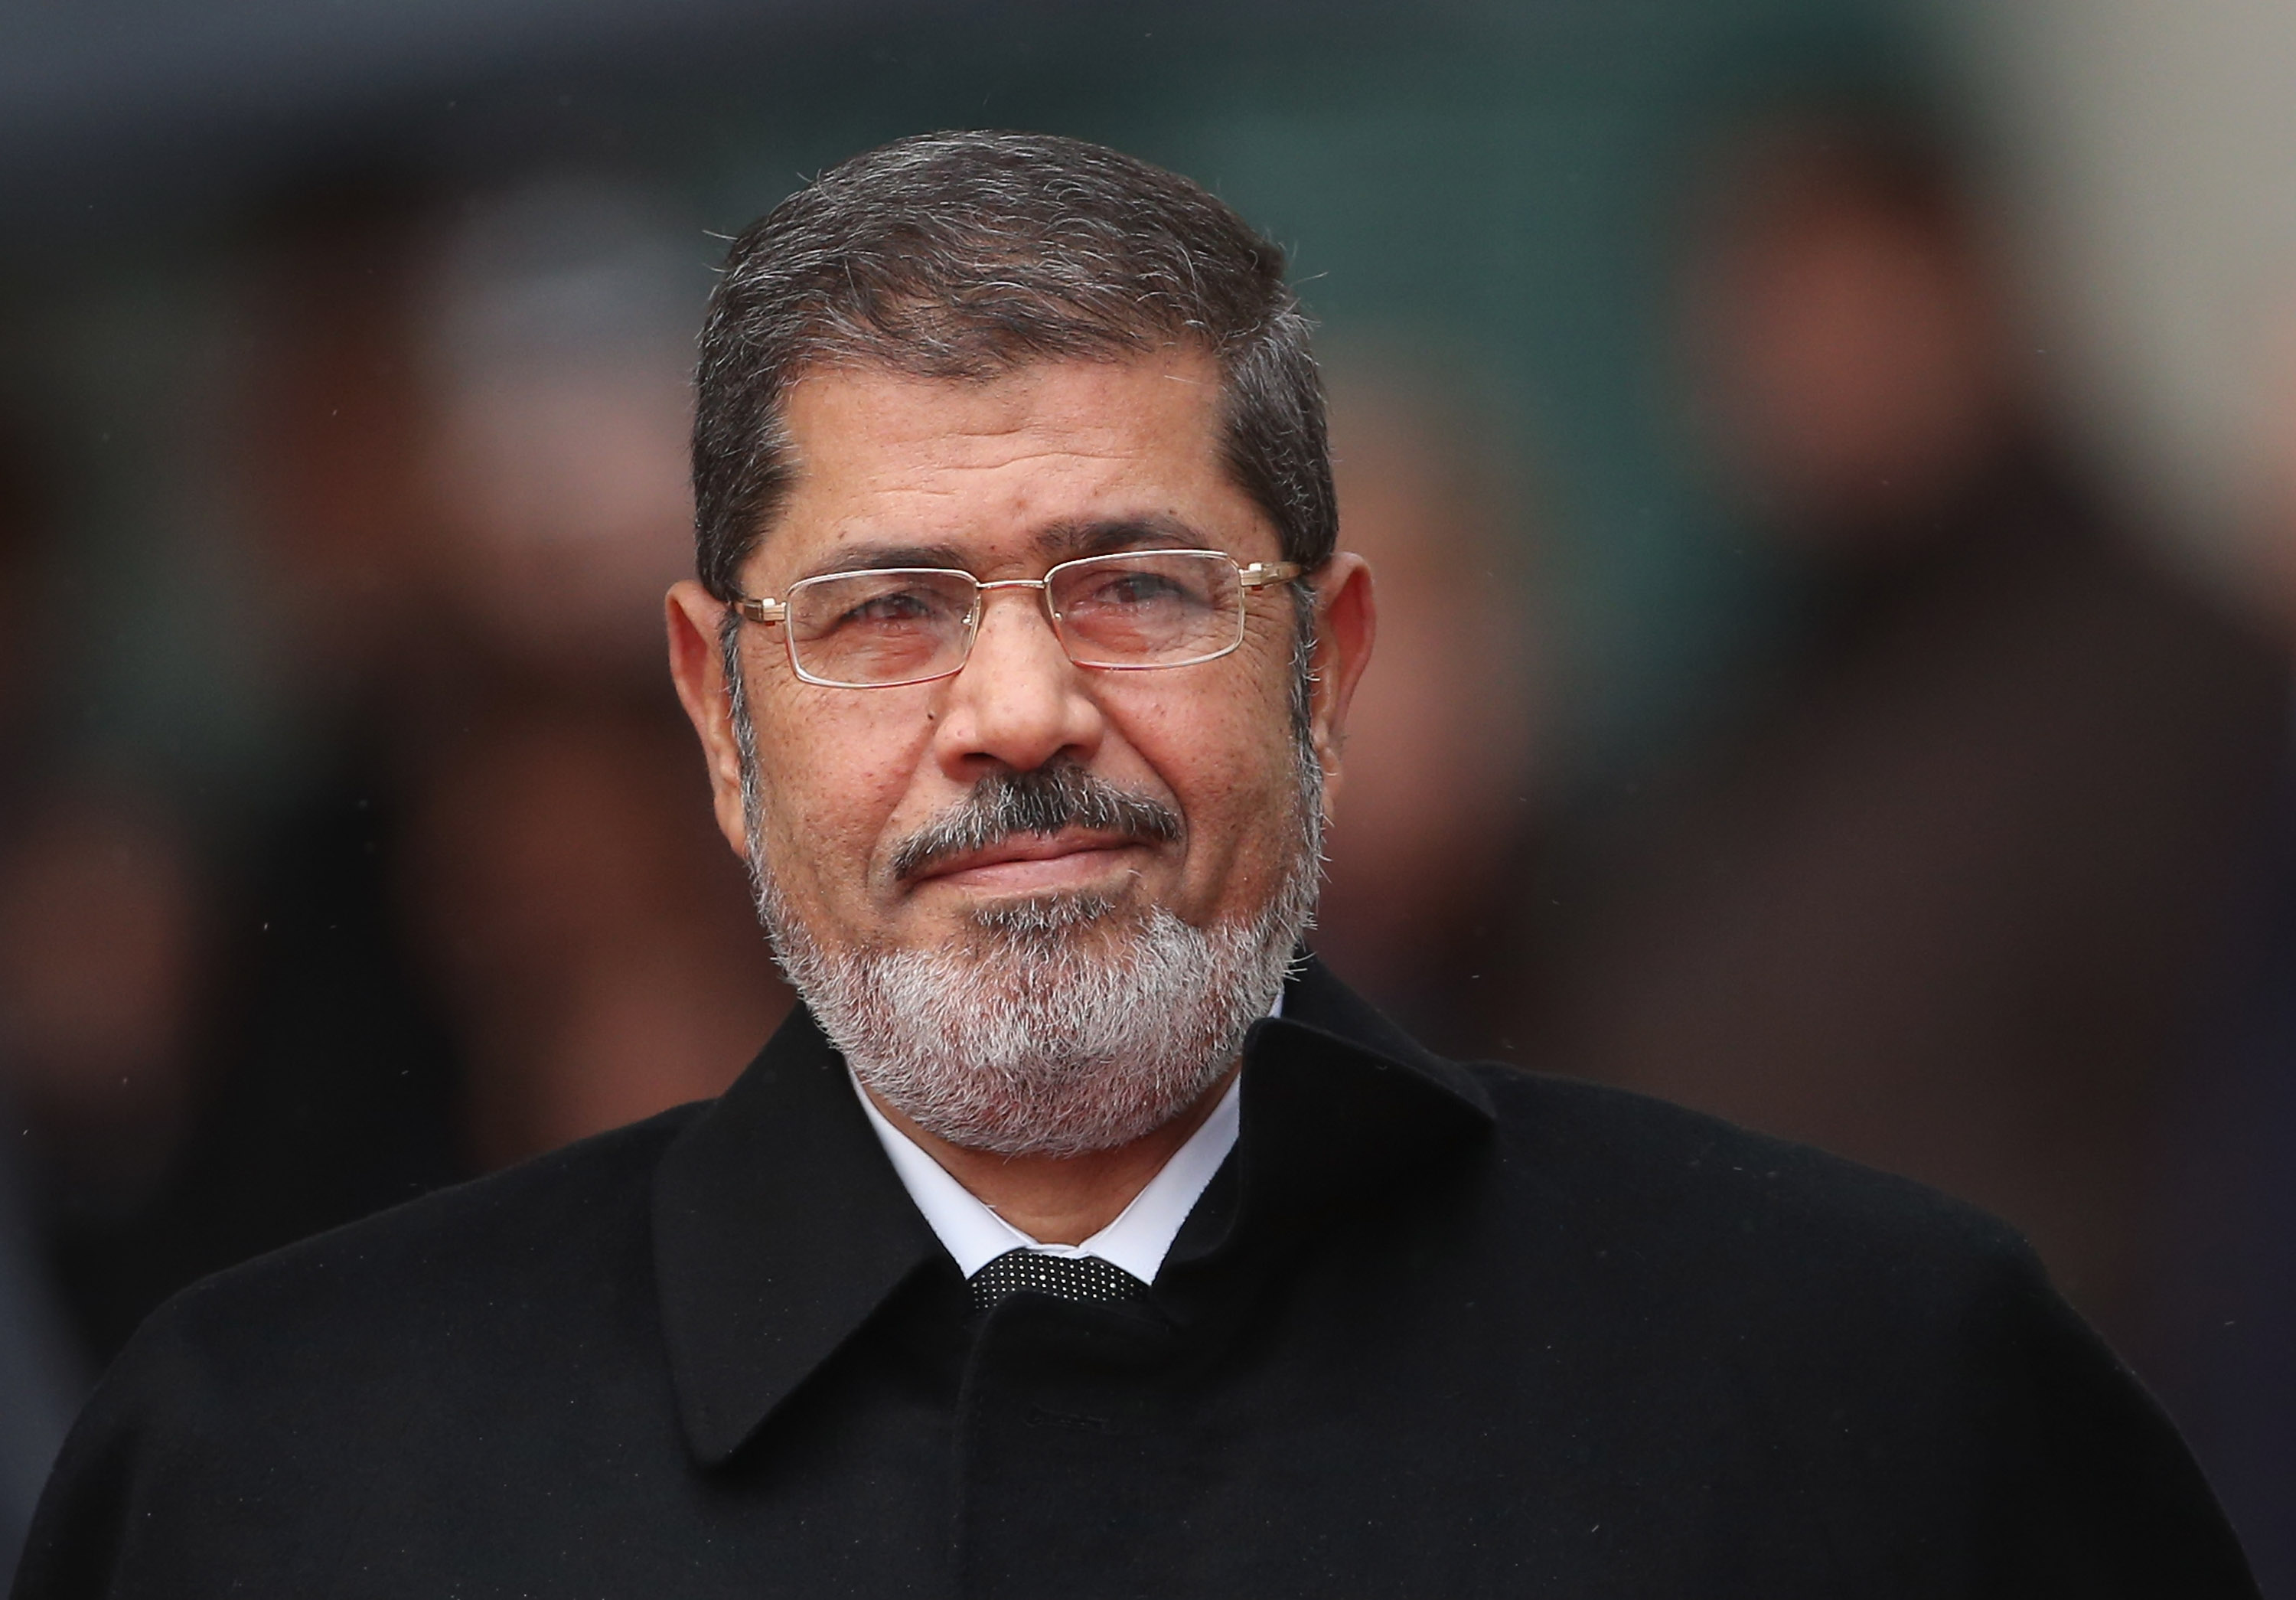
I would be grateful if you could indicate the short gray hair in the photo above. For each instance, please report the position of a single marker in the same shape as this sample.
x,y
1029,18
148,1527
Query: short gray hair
x,y
964,255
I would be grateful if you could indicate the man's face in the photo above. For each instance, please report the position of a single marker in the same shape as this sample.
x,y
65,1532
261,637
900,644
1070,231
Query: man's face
x,y
1135,850
1005,478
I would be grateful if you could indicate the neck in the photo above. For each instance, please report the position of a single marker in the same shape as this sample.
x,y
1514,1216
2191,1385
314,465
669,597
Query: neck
x,y
1061,1200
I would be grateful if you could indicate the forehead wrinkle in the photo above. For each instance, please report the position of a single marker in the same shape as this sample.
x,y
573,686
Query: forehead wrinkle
x,y
1027,449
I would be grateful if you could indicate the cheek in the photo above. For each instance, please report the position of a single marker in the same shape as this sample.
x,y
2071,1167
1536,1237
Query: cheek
x,y
1225,753
831,775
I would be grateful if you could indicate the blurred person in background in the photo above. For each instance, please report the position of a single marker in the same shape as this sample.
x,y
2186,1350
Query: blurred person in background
x,y
224,1054
1939,898
487,916
106,945
40,1377
324,1083
470,459
1422,900
595,946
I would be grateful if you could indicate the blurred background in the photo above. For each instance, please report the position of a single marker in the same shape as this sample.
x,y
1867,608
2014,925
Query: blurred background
x,y
1831,466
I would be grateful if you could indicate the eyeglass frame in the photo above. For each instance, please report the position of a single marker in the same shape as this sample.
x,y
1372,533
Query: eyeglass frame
x,y
774,612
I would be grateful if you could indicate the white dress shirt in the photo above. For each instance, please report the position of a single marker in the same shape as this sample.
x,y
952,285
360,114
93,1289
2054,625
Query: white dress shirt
x,y
1136,1241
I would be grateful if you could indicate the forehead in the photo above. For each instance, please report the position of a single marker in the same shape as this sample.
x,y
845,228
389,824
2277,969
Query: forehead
x,y
1007,467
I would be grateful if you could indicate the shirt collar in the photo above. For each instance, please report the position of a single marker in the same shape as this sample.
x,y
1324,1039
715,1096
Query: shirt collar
x,y
974,1234
781,1228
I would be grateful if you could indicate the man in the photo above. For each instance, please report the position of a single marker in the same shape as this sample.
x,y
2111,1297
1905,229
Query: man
x,y
1034,1256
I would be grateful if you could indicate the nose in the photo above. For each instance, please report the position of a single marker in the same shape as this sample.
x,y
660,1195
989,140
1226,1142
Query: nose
x,y
1018,702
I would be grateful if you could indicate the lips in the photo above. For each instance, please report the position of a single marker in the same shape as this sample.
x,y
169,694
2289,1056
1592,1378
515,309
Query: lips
x,y
1019,849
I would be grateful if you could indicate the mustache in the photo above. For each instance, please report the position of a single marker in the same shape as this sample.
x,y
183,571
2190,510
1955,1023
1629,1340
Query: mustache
x,y
1058,795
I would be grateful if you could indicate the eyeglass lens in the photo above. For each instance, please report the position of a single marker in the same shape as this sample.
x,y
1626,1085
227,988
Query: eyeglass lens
x,y
1165,608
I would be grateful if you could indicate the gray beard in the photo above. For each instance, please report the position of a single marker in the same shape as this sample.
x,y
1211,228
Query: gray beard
x,y
1059,1025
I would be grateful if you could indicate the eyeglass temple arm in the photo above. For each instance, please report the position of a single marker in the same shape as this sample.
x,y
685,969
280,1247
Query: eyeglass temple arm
x,y
761,611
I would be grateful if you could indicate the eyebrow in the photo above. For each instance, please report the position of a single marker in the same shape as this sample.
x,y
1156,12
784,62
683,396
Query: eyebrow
x,y
1056,542
875,558
1065,541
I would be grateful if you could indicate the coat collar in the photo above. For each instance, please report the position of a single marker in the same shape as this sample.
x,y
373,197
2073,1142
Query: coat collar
x,y
780,1228
1337,1104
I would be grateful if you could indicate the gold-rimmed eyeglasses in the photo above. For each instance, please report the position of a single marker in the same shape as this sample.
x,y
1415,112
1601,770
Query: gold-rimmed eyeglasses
x,y
879,628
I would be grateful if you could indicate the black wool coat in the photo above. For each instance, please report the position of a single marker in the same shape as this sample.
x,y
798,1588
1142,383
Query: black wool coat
x,y
1434,1330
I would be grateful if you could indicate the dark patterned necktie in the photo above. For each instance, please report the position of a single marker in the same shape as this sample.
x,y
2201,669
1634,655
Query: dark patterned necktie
x,y
1063,1277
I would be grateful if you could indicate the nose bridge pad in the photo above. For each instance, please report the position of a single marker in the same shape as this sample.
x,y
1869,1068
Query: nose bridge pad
x,y
1044,608
973,627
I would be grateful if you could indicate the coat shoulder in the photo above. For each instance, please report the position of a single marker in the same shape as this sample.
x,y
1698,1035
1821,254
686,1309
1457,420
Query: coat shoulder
x,y
1719,1201
258,1406
1906,1348
471,1266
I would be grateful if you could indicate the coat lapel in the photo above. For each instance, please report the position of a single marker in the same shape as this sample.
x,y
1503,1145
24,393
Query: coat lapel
x,y
1339,1104
779,1229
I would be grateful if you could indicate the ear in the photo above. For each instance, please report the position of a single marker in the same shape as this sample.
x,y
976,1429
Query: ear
x,y
698,671
1347,619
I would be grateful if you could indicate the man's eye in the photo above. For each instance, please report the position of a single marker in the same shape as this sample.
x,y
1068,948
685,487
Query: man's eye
x,y
893,608
1130,590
